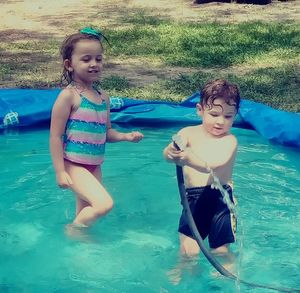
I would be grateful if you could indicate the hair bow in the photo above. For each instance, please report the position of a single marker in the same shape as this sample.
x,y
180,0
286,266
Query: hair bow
x,y
93,32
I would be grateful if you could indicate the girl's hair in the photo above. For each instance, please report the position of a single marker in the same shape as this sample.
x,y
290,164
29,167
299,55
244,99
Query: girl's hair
x,y
67,49
220,89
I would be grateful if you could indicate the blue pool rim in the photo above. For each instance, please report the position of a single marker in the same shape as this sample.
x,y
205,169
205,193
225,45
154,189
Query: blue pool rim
x,y
23,108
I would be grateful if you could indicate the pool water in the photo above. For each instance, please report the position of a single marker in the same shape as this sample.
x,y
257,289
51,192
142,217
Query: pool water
x,y
134,247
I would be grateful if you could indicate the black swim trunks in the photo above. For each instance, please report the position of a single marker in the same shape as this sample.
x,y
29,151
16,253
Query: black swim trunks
x,y
211,215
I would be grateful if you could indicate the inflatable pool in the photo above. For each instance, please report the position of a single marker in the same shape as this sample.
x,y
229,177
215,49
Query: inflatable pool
x,y
31,107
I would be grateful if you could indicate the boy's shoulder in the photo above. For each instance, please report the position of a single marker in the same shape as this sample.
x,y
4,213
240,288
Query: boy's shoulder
x,y
189,130
230,141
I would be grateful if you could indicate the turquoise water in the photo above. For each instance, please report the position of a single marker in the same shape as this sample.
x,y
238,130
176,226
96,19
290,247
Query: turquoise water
x,y
134,247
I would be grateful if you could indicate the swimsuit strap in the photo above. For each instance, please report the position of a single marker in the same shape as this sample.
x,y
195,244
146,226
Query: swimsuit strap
x,y
73,84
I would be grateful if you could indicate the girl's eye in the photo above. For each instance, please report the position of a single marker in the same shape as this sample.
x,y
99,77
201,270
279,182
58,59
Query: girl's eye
x,y
228,116
99,59
86,59
214,114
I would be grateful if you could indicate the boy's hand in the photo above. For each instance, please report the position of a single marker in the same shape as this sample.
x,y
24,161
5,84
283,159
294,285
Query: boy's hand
x,y
180,158
134,136
63,179
186,157
179,142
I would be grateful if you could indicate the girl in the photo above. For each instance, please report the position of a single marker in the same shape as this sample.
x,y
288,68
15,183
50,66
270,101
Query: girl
x,y
80,127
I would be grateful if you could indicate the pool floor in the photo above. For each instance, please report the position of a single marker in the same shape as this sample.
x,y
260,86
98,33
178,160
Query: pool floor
x,y
134,248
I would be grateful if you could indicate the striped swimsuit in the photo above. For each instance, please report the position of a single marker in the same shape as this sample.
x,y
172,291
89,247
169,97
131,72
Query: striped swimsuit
x,y
85,133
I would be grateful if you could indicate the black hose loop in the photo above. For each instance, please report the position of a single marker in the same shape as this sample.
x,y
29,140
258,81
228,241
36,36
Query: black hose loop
x,y
214,262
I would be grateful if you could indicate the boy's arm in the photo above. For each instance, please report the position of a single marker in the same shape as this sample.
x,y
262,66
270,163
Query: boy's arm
x,y
189,158
179,153
175,147
193,161
166,151
185,158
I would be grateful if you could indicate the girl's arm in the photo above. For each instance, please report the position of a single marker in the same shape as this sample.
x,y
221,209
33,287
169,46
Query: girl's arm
x,y
113,135
59,116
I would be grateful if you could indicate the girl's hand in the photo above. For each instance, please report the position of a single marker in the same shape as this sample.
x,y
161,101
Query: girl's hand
x,y
134,136
63,179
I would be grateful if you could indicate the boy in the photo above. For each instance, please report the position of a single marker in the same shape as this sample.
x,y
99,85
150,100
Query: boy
x,y
209,146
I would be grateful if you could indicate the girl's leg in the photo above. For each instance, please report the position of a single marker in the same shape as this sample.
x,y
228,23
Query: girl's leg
x,y
93,201
80,203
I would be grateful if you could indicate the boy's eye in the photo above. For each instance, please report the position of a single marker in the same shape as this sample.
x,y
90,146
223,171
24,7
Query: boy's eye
x,y
214,114
99,59
228,116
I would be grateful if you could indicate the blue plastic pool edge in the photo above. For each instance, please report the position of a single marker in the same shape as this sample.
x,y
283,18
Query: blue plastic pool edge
x,y
28,107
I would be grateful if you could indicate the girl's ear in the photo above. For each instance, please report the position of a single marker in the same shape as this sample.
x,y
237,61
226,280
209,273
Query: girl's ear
x,y
67,65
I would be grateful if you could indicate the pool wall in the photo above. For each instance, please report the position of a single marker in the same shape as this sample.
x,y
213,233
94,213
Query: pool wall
x,y
31,107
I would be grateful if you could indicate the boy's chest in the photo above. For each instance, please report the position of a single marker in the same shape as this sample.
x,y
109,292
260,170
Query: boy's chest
x,y
207,148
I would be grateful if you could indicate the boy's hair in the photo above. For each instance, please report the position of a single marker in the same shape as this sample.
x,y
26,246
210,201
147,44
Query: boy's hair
x,y
220,89
67,48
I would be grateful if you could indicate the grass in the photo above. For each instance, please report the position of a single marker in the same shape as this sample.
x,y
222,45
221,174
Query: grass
x,y
207,45
263,58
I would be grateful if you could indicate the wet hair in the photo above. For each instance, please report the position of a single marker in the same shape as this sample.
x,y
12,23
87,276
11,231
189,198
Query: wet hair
x,y
67,49
220,89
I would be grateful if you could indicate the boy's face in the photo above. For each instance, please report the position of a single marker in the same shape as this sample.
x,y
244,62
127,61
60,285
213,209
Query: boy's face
x,y
217,118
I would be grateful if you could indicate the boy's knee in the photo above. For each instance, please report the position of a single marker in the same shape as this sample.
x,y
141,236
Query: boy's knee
x,y
189,249
220,250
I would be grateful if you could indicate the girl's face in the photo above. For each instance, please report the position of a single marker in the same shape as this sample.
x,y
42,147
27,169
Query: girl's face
x,y
86,61
217,119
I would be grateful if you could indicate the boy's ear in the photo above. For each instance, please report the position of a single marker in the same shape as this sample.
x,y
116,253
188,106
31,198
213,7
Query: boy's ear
x,y
199,109
67,65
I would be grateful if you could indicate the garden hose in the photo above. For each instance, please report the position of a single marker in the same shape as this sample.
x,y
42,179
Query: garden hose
x,y
223,271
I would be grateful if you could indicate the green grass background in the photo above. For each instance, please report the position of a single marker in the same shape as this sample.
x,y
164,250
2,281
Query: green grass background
x,y
263,58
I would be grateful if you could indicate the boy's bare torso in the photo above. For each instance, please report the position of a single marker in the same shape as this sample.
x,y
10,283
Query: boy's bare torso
x,y
215,151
